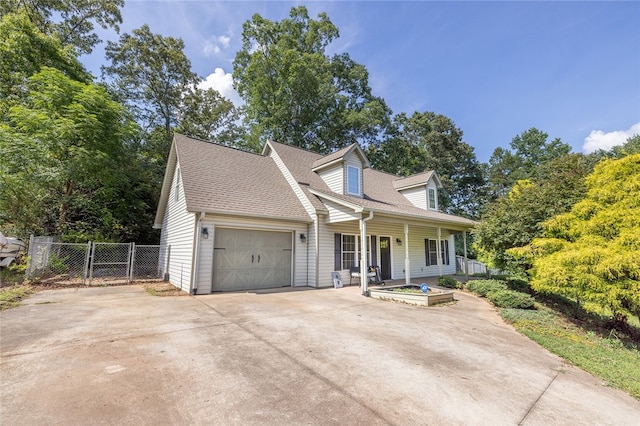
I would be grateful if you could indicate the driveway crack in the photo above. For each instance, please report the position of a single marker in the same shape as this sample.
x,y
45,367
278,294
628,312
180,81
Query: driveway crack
x,y
533,405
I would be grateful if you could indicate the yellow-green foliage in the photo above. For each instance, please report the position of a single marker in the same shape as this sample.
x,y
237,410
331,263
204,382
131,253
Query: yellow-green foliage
x,y
592,253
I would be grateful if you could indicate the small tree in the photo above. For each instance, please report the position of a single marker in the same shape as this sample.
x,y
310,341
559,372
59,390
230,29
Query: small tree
x,y
592,253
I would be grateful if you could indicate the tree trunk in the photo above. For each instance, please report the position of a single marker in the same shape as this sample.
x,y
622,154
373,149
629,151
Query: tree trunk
x,y
64,207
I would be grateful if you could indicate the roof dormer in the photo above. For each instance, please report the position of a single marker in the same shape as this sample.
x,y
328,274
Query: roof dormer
x,y
421,190
342,170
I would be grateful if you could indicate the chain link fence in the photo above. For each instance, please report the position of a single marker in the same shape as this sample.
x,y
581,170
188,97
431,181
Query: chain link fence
x,y
93,263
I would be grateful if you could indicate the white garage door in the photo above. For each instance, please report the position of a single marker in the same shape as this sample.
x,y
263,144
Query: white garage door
x,y
249,259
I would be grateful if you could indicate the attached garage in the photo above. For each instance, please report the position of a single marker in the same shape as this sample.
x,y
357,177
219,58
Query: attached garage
x,y
246,259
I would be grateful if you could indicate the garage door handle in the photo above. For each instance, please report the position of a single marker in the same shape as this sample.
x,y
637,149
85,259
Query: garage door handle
x,y
258,258
251,258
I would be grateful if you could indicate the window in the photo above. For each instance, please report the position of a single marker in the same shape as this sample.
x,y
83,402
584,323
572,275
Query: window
x,y
432,198
431,252
353,180
350,250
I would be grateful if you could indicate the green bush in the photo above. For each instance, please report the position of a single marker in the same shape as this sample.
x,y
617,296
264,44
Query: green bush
x,y
518,284
482,287
510,299
449,282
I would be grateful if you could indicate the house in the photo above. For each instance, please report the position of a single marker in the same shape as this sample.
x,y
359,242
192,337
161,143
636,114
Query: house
x,y
234,220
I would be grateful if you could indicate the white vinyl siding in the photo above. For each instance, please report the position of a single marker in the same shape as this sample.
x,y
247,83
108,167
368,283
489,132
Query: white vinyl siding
x,y
340,213
177,233
416,196
334,178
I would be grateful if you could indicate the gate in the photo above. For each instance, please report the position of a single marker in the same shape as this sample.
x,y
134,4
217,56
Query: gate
x,y
97,263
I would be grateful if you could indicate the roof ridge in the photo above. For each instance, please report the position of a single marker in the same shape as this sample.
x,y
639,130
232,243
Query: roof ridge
x,y
196,139
296,147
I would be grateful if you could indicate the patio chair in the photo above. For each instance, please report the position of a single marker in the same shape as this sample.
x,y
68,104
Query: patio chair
x,y
354,272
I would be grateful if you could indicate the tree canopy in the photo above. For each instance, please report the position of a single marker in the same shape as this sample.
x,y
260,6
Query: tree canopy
x,y
430,141
592,253
72,21
150,73
515,219
296,94
529,150
63,150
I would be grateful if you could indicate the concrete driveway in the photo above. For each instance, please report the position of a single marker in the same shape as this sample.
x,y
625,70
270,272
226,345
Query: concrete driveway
x,y
119,356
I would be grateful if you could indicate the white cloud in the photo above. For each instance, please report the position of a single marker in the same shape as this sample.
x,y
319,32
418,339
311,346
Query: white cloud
x,y
223,83
598,139
214,45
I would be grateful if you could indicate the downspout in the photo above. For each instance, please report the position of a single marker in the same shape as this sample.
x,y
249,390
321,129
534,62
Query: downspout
x,y
364,279
439,251
193,286
407,263
466,261
317,253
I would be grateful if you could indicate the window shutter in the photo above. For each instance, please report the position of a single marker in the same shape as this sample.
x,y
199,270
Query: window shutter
x,y
374,251
337,248
426,251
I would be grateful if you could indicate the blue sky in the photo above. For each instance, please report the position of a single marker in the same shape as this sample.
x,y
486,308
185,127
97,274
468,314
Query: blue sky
x,y
571,69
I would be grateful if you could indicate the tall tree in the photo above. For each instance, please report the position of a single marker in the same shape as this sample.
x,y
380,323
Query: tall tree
x,y
63,152
23,51
207,115
529,150
150,73
515,219
592,253
296,94
430,141
73,21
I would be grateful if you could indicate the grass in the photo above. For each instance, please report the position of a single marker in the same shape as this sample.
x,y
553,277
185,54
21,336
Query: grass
x,y
163,290
589,344
12,296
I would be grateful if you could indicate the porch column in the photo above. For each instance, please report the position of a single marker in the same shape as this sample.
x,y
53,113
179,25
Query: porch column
x,y
439,251
466,261
364,265
407,264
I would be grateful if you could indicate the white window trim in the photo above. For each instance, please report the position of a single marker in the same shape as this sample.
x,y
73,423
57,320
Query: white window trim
x,y
357,252
358,172
435,199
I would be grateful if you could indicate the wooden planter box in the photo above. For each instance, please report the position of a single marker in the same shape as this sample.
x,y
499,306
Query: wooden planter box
x,y
424,299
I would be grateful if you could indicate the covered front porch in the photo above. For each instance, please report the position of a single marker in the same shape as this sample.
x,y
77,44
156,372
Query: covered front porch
x,y
404,250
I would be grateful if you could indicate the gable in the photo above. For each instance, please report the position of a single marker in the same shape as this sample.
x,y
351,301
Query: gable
x,y
224,180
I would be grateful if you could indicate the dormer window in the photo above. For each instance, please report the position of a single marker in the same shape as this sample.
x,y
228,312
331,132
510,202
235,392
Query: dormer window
x,y
432,199
353,180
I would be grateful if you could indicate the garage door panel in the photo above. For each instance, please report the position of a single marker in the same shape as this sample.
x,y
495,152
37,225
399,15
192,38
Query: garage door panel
x,y
249,259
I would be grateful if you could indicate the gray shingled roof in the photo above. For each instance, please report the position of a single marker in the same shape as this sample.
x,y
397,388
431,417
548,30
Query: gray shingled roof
x,y
328,159
220,179
413,180
379,191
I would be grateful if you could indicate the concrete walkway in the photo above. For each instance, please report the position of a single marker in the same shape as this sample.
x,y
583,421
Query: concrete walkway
x,y
119,356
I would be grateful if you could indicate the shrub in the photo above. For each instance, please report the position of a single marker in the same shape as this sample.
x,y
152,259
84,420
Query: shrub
x,y
449,282
510,299
482,287
518,284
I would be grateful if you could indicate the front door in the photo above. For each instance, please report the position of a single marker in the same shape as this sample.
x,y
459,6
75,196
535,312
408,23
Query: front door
x,y
385,258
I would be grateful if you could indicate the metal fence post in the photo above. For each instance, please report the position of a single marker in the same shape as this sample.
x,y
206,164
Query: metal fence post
x,y
132,260
93,258
85,269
